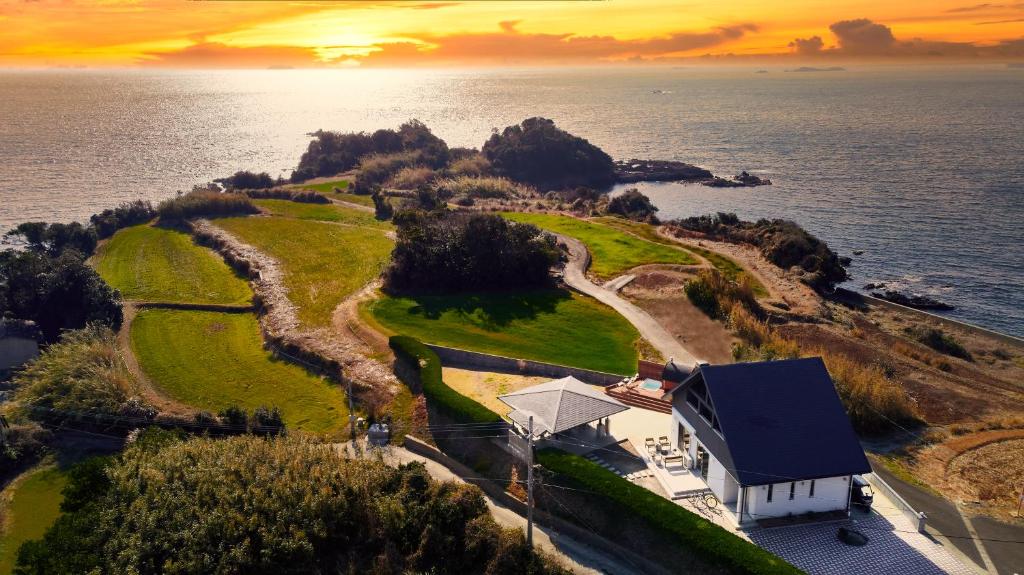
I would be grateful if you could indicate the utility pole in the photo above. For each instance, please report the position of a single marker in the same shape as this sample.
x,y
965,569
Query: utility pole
x,y
529,487
1020,500
351,408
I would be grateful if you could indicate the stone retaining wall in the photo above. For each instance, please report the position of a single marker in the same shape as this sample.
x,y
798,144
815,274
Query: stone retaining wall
x,y
461,358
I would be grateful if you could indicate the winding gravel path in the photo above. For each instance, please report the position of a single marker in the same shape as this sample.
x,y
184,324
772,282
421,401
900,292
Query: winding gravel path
x,y
649,328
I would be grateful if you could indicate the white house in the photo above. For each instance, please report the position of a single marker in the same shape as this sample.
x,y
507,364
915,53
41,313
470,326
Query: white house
x,y
770,439
19,343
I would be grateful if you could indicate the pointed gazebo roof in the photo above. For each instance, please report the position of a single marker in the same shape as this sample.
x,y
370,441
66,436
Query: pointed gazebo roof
x,y
559,405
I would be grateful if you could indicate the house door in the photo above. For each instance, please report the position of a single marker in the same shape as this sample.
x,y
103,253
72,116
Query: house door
x,y
703,461
684,439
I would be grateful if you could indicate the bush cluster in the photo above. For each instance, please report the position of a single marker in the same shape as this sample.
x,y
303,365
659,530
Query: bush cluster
x,y
468,252
263,419
55,239
301,196
127,214
782,242
285,505
441,397
633,205
201,202
538,153
940,341
716,295
245,180
475,187
698,535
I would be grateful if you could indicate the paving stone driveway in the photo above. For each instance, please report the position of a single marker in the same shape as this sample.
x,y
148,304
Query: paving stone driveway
x,y
895,548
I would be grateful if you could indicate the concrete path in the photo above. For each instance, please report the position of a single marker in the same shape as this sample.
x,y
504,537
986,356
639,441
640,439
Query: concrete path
x,y
576,556
649,328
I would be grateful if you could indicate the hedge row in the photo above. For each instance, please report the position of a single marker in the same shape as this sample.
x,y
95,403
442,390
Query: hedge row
x,y
439,395
703,538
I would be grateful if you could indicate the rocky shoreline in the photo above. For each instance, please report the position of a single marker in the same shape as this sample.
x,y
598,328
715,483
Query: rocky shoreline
x,y
633,171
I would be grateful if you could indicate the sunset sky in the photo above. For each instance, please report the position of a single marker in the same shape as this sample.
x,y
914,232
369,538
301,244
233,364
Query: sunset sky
x,y
207,34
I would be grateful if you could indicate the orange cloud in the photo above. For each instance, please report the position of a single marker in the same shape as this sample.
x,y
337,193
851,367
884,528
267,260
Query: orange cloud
x,y
217,55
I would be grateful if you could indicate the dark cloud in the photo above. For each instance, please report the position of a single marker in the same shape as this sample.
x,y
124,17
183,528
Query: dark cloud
x,y
217,55
863,37
807,46
510,46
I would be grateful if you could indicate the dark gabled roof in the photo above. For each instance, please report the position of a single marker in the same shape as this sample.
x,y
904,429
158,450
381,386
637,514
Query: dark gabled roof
x,y
676,372
783,421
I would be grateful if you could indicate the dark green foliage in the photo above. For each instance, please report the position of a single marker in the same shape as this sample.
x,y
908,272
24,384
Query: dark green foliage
x,y
716,295
245,180
538,153
301,196
940,341
382,208
267,419
127,214
208,506
331,153
701,295
204,203
438,394
701,537
782,242
234,415
55,239
454,252
56,293
635,206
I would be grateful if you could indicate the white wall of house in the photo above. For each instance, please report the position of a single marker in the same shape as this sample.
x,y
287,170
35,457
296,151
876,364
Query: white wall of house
x,y
16,351
830,494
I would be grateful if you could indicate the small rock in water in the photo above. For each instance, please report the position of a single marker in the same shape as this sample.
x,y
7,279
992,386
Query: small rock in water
x,y
858,252
915,301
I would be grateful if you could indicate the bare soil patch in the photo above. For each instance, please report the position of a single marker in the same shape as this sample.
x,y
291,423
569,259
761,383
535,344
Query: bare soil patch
x,y
485,387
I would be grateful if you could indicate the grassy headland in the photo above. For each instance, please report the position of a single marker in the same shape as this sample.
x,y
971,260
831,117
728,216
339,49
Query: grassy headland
x,y
323,263
327,189
613,251
549,325
213,360
159,264
321,212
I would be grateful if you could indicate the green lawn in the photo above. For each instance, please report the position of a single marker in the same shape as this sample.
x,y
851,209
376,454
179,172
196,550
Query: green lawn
x,y
727,266
213,360
160,264
321,212
327,189
554,326
30,507
323,263
612,251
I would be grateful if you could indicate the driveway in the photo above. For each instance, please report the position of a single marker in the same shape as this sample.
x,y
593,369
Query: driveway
x,y
649,328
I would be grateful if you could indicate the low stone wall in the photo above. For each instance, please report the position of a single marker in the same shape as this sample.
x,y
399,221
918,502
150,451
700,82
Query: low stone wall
x,y
461,358
916,517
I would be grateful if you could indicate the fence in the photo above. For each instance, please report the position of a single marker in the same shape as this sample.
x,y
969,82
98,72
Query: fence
x,y
453,357
916,517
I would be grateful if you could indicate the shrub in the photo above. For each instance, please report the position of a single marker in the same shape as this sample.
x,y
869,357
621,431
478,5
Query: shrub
x,y
245,180
55,239
536,152
411,178
468,252
205,203
83,373
701,537
940,341
716,295
633,205
873,401
382,208
301,196
127,214
267,419
25,441
473,164
376,169
481,187
443,398
286,505
234,415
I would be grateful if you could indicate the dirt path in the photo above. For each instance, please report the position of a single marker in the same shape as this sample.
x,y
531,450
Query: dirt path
x,y
149,392
346,319
649,328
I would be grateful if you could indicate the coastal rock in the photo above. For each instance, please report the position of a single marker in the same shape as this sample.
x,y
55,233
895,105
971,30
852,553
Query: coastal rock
x,y
915,301
659,171
858,252
743,180
871,286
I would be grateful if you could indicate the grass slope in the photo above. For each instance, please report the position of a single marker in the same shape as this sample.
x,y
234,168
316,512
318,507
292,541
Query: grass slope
x,y
213,360
321,212
327,189
323,263
612,251
726,265
31,506
159,264
553,326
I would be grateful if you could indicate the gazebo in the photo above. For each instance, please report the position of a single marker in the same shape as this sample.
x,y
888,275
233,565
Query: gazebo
x,y
560,406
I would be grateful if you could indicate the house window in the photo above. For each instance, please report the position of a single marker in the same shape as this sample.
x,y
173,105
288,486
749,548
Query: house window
x,y
812,489
792,490
771,488
691,398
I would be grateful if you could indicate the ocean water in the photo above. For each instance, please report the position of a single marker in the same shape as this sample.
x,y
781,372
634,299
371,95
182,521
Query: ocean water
x,y
921,168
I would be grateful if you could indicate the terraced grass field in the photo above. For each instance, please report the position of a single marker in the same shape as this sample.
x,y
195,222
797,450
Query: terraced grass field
x,y
323,263
213,360
327,189
554,326
150,263
321,212
612,251
30,506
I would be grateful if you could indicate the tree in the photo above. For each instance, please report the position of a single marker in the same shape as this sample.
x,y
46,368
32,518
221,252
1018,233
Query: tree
x,y
633,205
54,239
246,180
536,152
57,293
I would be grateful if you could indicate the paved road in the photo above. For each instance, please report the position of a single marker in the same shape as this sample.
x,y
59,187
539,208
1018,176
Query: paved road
x,y
576,556
946,524
651,330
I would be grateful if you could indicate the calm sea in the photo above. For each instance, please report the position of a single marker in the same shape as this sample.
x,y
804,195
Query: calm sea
x,y
922,169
